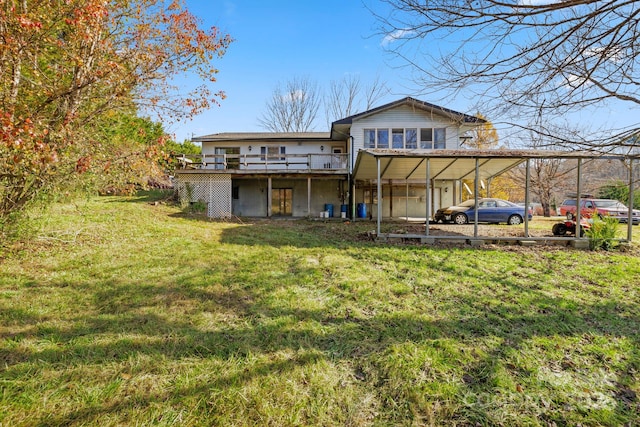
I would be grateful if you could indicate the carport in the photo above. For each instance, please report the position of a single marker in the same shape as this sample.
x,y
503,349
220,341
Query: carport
x,y
379,165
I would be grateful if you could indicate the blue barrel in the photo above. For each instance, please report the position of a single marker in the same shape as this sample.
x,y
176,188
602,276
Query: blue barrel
x,y
343,208
329,208
362,210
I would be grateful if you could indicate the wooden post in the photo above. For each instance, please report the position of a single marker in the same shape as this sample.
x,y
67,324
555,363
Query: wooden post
x,y
269,201
308,196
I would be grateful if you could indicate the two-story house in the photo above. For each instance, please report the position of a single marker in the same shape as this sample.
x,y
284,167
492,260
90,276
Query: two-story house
x,y
310,174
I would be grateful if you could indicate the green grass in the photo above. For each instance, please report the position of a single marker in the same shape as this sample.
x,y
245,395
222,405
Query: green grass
x,y
117,311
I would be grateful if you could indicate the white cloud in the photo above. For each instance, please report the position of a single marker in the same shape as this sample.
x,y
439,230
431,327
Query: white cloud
x,y
613,54
573,81
396,35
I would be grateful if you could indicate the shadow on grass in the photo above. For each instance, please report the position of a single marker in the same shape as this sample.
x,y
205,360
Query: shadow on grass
x,y
305,233
165,318
145,196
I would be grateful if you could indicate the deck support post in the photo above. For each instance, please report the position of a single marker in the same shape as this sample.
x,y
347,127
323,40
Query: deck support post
x,y
309,196
269,201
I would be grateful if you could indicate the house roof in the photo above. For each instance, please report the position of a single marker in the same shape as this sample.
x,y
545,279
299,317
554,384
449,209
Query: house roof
x,y
261,136
415,103
340,126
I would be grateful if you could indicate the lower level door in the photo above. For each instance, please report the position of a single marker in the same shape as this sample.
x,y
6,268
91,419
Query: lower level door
x,y
281,201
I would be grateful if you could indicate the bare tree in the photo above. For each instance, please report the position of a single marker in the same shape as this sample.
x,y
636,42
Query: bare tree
x,y
349,96
293,107
546,176
528,58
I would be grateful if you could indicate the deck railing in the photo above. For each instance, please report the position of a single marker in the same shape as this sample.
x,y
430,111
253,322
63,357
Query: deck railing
x,y
261,162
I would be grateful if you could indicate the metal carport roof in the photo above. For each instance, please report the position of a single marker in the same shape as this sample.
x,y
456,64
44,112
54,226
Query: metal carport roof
x,y
388,164
450,164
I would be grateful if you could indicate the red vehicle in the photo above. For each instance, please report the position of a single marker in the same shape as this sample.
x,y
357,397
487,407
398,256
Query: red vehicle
x,y
569,226
599,207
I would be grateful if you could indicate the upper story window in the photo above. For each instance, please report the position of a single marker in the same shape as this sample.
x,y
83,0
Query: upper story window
x,y
369,138
383,138
397,138
426,138
411,138
439,138
405,138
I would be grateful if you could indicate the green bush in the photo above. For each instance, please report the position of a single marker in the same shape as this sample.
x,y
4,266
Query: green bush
x,y
603,233
619,190
198,207
188,205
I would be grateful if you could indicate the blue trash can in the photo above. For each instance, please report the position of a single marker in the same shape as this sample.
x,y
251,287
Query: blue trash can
x,y
343,208
362,210
329,208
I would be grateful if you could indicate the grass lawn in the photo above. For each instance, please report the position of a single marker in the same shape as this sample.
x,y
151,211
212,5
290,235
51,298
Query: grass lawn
x,y
119,311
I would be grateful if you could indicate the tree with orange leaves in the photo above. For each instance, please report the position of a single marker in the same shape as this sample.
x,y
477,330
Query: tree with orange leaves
x,y
69,65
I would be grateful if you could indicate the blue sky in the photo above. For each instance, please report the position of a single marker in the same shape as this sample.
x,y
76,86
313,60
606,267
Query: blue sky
x,y
278,40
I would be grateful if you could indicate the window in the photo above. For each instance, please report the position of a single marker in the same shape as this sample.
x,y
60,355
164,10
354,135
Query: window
x,y
383,138
272,153
371,196
426,138
397,138
235,192
400,138
411,138
439,139
369,138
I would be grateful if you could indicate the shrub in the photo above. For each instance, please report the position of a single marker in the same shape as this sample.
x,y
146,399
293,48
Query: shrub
x,y
198,207
619,190
602,233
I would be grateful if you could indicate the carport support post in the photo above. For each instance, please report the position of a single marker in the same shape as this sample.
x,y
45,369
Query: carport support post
x,y
526,197
406,201
428,196
475,197
578,200
630,213
379,196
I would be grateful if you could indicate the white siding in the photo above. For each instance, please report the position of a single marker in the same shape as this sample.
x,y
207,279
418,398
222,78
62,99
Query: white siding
x,y
297,154
405,117
209,148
